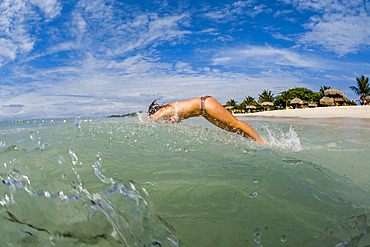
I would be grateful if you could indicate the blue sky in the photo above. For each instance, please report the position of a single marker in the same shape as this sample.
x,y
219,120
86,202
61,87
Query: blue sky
x,y
64,58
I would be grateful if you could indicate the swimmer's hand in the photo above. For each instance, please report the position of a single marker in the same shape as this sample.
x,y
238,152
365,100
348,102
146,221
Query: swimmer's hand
x,y
148,121
261,141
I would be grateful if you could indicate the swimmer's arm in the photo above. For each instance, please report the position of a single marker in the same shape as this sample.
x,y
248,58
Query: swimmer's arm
x,y
161,113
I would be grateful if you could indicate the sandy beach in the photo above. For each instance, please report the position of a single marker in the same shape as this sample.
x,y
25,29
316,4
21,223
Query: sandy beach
x,y
320,112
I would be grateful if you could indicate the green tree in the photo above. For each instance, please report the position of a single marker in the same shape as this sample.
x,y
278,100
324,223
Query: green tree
x,y
231,102
249,101
304,94
266,95
362,88
322,90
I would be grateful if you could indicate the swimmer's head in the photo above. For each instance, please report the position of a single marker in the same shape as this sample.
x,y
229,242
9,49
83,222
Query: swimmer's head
x,y
154,107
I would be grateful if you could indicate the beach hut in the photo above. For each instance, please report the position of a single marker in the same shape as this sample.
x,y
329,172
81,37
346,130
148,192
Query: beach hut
x,y
296,102
337,96
326,101
333,92
341,99
250,108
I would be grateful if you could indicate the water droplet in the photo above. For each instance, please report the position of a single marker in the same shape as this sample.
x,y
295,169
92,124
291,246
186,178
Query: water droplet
x,y
73,157
283,238
77,121
257,237
47,194
98,161
32,135
40,144
61,160
253,195
255,181
256,232
52,241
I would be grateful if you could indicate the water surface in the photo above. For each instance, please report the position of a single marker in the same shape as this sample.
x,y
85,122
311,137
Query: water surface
x,y
118,182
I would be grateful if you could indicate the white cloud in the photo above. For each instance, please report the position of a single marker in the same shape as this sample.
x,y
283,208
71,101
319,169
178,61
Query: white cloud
x,y
102,87
341,27
64,46
14,29
230,12
102,29
51,8
326,6
7,49
263,57
338,33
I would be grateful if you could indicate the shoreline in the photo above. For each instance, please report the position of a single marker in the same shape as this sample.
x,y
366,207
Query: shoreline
x,y
358,112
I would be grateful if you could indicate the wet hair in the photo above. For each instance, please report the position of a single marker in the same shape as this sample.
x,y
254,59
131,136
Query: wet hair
x,y
154,107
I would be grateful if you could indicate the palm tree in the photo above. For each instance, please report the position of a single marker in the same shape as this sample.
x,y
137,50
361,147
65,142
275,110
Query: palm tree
x,y
249,101
363,88
231,102
266,95
322,90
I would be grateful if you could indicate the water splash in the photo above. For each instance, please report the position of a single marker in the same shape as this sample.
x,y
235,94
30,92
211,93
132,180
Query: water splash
x,y
143,117
32,135
283,238
353,232
125,208
73,157
77,123
97,166
257,237
40,144
288,141
61,160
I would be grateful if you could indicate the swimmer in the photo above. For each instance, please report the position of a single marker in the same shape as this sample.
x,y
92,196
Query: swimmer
x,y
206,106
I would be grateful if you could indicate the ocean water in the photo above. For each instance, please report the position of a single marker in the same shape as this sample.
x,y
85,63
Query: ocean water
x,y
119,182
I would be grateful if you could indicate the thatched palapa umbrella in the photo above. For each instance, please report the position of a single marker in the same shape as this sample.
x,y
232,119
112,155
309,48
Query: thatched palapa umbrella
x,y
333,92
326,101
367,98
267,103
296,101
251,107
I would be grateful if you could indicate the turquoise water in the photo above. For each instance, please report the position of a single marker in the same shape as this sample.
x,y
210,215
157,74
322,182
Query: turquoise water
x,y
119,182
